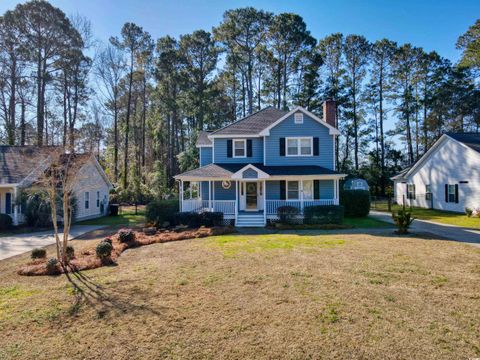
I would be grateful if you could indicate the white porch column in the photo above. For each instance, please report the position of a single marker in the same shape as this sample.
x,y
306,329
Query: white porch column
x,y
335,192
236,200
210,195
213,196
180,196
301,195
15,207
264,202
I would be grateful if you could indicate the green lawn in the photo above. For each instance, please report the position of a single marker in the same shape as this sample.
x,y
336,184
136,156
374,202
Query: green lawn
x,y
126,218
444,217
365,222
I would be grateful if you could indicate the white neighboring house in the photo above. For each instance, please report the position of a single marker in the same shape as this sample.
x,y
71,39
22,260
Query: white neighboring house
x,y
447,176
19,166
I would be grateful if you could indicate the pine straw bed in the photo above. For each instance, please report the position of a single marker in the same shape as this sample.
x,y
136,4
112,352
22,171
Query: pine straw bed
x,y
89,260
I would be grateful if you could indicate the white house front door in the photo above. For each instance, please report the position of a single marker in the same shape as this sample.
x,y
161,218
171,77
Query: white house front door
x,y
251,196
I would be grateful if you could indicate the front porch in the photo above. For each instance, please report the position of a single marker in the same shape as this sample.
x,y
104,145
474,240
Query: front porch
x,y
241,199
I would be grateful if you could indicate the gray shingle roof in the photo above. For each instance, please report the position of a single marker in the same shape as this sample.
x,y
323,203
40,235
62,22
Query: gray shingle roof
x,y
225,171
472,140
16,162
252,124
203,139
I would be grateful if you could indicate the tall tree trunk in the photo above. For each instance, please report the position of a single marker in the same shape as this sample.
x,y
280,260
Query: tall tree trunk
x,y
22,121
115,137
40,100
127,124
144,118
382,138
355,123
284,104
12,103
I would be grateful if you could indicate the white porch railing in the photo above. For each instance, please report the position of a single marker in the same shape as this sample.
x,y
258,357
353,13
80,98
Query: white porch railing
x,y
273,205
197,205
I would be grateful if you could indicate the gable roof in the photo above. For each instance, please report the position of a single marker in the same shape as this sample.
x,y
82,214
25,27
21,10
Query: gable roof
x,y
203,139
17,162
252,124
472,140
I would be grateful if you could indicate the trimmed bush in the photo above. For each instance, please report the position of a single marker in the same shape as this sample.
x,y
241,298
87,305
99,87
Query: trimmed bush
x,y
70,252
331,214
194,220
38,253
5,222
52,266
104,251
160,212
287,214
355,202
126,235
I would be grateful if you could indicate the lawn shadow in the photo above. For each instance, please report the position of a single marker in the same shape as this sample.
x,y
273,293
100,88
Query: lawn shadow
x,y
102,299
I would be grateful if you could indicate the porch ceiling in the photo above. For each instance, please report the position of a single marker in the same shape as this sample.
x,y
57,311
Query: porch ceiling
x,y
226,171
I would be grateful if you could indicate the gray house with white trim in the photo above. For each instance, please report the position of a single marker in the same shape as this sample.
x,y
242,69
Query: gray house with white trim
x,y
272,158
20,167
447,177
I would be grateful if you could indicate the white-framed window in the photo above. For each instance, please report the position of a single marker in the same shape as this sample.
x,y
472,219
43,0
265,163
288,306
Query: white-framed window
x,y
451,193
98,199
410,191
308,189
428,188
293,190
240,148
87,199
298,118
299,146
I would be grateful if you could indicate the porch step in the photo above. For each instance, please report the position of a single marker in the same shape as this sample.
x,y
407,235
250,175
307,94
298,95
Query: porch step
x,y
250,220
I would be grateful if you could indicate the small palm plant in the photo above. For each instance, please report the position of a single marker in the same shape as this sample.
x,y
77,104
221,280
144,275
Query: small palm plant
x,y
403,219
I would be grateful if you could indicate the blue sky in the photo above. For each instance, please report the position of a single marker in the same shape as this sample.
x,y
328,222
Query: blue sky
x,y
433,25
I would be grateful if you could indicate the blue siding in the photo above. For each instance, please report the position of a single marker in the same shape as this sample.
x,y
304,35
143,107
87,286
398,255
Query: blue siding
x,y
221,152
288,128
273,190
220,192
250,174
326,189
205,156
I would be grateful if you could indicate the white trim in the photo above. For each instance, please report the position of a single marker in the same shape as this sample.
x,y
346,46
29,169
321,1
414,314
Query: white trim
x,y
260,174
334,155
277,177
203,146
213,151
264,149
244,149
333,131
299,147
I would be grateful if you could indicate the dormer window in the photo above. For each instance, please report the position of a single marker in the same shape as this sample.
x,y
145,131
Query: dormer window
x,y
298,118
239,148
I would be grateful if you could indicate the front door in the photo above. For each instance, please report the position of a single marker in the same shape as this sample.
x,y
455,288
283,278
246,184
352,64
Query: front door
x,y
251,196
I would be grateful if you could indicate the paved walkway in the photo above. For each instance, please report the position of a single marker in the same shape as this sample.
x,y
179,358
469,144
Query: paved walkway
x,y
18,244
450,232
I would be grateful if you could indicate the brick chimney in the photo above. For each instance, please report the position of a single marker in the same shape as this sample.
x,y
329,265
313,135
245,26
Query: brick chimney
x,y
330,112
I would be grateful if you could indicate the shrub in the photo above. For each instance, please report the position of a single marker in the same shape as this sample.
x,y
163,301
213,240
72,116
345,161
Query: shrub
x,y
70,252
38,253
104,251
211,219
37,211
331,214
190,219
126,235
355,202
468,211
403,219
52,266
5,222
287,214
108,240
159,212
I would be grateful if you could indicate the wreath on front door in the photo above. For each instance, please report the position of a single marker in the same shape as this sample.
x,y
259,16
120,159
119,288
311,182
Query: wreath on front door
x,y
251,187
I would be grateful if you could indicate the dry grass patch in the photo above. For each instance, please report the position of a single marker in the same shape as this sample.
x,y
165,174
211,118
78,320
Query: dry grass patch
x,y
266,296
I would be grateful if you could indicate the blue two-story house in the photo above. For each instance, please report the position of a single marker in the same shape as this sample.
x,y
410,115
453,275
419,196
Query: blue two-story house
x,y
272,158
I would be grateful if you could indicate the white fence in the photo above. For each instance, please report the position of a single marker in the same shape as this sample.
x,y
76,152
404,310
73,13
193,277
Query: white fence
x,y
273,205
197,205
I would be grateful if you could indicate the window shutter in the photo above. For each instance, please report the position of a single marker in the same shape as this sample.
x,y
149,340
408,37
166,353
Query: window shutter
x,y
414,192
282,146
316,150
446,193
316,189
456,193
283,190
229,148
8,203
249,147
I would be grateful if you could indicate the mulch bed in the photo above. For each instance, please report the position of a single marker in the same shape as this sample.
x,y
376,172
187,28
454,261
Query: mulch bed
x,y
88,259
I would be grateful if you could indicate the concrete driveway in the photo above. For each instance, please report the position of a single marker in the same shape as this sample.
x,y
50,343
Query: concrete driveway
x,y
451,232
21,243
